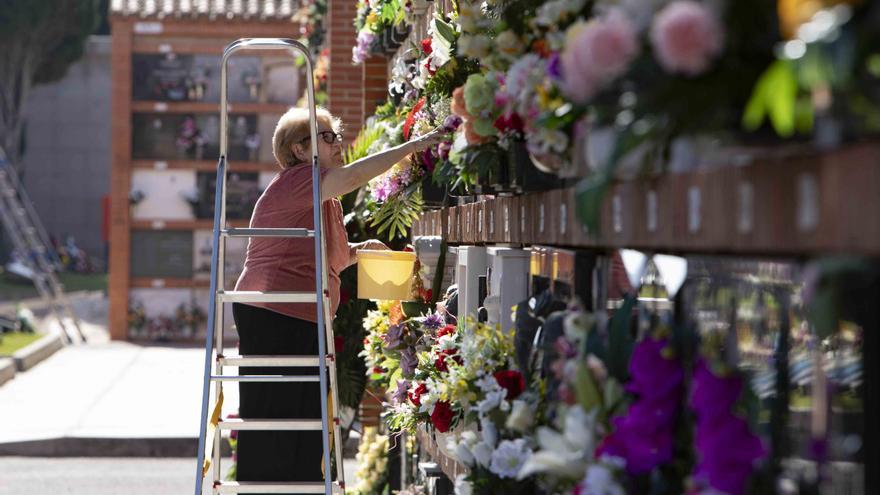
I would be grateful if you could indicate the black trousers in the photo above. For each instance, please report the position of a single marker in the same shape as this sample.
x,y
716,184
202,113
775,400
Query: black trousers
x,y
277,455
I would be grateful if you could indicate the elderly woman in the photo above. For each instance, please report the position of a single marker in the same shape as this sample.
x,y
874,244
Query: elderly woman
x,y
288,264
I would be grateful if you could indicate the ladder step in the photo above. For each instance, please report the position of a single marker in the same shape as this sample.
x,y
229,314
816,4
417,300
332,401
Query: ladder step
x,y
271,424
267,297
248,232
266,378
268,487
292,361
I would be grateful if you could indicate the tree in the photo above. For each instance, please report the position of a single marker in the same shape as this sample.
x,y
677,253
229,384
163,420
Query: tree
x,y
39,40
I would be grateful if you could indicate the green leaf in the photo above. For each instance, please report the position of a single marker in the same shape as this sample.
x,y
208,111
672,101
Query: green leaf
x,y
586,390
445,31
774,96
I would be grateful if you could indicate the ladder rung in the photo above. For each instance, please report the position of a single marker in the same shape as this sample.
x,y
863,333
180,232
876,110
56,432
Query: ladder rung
x,y
292,361
265,378
286,232
268,487
267,297
271,424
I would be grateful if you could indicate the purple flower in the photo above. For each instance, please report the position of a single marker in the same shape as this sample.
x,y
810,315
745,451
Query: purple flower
x,y
362,48
399,396
652,374
393,336
645,434
726,449
443,150
451,123
428,160
408,361
554,69
711,395
433,321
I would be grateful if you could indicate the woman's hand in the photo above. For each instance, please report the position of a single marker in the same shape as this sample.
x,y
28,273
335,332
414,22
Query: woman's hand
x,y
372,244
425,141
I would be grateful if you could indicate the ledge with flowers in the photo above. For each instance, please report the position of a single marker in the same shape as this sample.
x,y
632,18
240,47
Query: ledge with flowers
x,y
538,95
571,97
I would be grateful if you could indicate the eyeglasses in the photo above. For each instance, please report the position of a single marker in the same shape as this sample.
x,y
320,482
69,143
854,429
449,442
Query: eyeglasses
x,y
329,137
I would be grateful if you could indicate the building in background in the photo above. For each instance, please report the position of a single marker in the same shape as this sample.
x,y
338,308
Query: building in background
x,y
165,138
67,149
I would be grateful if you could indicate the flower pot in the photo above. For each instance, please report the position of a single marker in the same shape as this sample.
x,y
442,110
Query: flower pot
x,y
433,195
526,176
393,37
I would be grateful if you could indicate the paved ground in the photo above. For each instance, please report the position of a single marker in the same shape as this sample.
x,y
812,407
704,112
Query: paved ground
x,y
96,476
102,399
106,389
102,476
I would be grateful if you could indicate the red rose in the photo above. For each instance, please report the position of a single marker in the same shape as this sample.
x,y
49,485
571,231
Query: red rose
x,y
426,46
440,363
512,381
442,416
447,330
339,343
416,395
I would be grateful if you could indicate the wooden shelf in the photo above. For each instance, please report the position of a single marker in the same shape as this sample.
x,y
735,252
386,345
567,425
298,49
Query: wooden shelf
x,y
206,107
182,224
450,467
203,165
781,206
168,283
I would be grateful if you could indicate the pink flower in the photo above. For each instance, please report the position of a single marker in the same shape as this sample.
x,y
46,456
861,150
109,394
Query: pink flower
x,y
686,36
597,53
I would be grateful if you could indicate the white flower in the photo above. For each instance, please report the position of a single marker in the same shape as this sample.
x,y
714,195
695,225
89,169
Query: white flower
x,y
476,46
482,453
599,479
509,43
462,453
489,432
468,14
509,457
492,400
576,326
462,485
550,13
428,399
521,417
563,454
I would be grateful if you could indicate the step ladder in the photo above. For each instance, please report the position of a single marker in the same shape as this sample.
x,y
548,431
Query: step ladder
x,y
212,424
30,241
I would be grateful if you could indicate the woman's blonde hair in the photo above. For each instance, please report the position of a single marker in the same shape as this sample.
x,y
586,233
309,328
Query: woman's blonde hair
x,y
293,128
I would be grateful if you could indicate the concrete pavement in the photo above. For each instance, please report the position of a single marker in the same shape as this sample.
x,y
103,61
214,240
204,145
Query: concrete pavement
x,y
103,397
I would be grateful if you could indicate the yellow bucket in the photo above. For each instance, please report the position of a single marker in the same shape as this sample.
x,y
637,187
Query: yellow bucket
x,y
385,275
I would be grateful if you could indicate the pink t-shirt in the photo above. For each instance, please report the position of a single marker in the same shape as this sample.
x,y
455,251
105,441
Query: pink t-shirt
x,y
288,264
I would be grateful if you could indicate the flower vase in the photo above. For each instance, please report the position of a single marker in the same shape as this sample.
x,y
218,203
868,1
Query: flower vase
x,y
433,195
526,176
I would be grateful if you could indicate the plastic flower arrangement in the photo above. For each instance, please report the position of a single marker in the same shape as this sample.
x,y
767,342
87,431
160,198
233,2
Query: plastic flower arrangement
x,y
373,17
372,460
376,326
452,375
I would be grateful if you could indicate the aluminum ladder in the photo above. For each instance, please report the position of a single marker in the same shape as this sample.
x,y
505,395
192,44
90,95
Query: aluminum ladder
x,y
29,239
212,424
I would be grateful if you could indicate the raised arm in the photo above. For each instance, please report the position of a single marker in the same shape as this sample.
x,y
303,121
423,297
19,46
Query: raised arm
x,y
339,181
